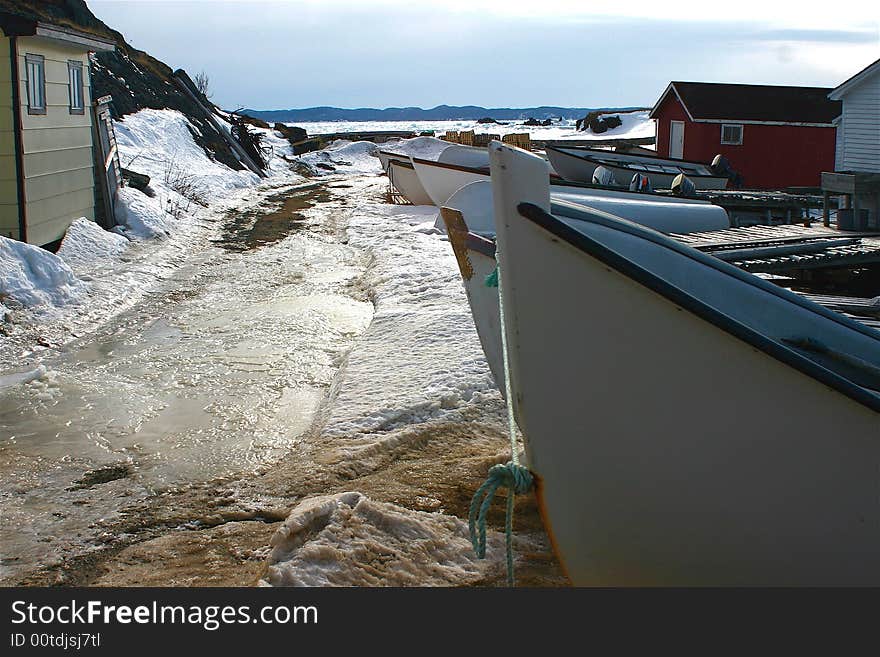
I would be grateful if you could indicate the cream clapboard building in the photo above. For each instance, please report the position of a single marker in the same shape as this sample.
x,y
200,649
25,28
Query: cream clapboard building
x,y
47,157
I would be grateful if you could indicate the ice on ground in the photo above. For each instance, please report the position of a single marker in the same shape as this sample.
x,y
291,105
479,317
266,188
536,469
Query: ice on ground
x,y
86,245
420,360
186,185
350,540
343,156
35,278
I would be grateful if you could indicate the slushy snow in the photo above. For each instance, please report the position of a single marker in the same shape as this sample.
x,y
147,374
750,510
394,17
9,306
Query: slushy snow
x,y
351,540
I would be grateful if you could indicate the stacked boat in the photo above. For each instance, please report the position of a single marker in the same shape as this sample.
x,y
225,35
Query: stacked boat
x,y
687,422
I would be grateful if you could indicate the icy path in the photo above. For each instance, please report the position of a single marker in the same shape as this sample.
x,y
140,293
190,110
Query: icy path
x,y
301,400
218,369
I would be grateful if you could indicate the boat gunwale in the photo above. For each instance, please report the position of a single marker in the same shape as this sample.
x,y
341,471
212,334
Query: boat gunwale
x,y
558,181
400,163
623,166
557,147
455,167
687,301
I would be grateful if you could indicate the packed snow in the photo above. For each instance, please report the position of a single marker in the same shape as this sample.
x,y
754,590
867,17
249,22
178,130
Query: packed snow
x,y
343,156
427,148
34,278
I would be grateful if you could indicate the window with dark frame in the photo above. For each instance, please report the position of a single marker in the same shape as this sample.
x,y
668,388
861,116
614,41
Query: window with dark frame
x,y
75,92
731,134
35,73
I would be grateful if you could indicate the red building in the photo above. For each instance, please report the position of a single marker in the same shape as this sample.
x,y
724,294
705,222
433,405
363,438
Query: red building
x,y
775,137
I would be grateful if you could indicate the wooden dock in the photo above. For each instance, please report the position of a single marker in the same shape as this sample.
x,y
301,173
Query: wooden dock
x,y
788,249
865,311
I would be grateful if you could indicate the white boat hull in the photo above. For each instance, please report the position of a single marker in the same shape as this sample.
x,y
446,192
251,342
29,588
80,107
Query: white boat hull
x,y
666,214
386,157
405,181
670,451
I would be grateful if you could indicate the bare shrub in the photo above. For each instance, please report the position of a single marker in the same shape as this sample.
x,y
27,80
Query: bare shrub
x,y
203,84
186,185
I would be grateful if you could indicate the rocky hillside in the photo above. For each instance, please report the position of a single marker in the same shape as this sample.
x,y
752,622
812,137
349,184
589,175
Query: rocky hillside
x,y
134,79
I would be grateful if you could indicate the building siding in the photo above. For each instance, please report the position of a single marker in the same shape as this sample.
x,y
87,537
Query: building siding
x,y
58,157
770,156
861,115
8,178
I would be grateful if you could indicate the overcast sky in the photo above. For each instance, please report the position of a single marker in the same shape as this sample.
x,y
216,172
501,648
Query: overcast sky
x,y
495,53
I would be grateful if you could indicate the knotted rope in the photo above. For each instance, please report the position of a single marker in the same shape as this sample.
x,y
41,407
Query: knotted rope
x,y
511,475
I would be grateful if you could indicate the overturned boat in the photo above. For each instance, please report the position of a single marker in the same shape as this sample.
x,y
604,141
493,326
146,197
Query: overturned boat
x,y
688,423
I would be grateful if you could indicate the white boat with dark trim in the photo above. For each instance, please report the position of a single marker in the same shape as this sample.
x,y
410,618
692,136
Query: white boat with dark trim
x,y
688,423
404,179
386,157
468,219
668,214
453,169
579,164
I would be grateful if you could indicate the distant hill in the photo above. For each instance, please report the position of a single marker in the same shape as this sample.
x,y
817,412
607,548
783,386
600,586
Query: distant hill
x,y
439,113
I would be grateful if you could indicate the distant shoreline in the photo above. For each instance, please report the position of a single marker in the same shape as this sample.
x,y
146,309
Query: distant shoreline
x,y
439,113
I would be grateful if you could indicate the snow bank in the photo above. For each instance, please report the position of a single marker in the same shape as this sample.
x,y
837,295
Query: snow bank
x,y
86,245
427,148
343,156
350,540
142,217
35,278
159,143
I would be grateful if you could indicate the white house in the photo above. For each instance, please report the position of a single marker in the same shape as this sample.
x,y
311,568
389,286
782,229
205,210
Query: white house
x,y
857,156
858,135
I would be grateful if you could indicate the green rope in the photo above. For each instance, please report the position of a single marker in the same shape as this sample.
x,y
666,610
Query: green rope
x,y
516,478
492,279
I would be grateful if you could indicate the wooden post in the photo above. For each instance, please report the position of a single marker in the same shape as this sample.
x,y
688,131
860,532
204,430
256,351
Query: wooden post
x,y
826,212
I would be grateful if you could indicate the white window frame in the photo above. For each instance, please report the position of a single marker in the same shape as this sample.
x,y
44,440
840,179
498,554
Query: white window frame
x,y
732,125
76,90
35,78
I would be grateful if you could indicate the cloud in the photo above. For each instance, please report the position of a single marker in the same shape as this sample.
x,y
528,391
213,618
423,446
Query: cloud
x,y
338,52
819,36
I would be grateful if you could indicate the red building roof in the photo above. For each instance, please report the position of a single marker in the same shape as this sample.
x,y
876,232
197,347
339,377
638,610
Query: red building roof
x,y
753,103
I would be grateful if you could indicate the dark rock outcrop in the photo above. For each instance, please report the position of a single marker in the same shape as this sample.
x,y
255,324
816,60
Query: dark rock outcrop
x,y
598,122
292,133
